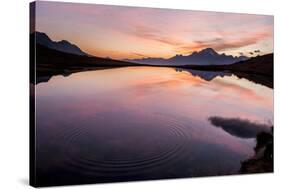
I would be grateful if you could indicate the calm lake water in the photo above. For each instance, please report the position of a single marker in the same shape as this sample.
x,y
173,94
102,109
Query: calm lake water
x,y
139,123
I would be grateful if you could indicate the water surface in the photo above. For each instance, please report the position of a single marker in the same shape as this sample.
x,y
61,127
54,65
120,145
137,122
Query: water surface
x,y
139,123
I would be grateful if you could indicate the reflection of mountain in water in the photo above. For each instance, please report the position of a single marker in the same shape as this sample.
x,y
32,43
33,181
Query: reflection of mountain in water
x,y
239,127
258,79
210,75
206,75
42,78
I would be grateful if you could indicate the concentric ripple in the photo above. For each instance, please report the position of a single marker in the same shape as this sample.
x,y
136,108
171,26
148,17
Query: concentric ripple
x,y
123,154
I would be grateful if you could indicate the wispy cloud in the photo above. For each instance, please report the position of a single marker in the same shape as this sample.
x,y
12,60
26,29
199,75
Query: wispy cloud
x,y
100,29
224,43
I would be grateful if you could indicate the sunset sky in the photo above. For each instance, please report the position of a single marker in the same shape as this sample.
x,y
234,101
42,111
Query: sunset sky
x,y
130,32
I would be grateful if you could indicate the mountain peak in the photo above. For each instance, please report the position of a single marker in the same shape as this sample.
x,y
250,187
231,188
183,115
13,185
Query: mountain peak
x,y
64,42
63,45
42,34
208,51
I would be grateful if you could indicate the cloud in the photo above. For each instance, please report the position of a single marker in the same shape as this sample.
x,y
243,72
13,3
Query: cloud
x,y
157,32
153,34
139,54
220,43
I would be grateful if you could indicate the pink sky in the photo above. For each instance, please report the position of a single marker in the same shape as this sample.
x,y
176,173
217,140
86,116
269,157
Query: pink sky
x,y
131,32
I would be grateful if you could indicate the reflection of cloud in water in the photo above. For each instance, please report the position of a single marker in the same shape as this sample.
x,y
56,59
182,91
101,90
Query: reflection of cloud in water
x,y
232,88
239,127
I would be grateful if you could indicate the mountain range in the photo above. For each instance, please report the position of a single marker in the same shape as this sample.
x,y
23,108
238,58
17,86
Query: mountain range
x,y
206,56
64,58
63,45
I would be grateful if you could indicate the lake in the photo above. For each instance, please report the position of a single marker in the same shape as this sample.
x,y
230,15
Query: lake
x,y
138,123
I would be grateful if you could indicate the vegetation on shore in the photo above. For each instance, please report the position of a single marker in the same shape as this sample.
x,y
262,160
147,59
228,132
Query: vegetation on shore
x,y
262,161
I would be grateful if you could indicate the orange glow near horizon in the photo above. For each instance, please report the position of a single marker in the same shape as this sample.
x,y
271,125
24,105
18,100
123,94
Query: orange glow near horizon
x,y
122,32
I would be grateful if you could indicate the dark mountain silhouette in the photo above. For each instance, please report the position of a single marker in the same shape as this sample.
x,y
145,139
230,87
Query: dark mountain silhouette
x,y
150,61
257,69
206,56
50,61
257,65
63,45
262,65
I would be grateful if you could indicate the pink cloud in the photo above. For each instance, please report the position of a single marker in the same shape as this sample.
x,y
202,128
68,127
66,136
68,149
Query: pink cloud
x,y
224,43
151,31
